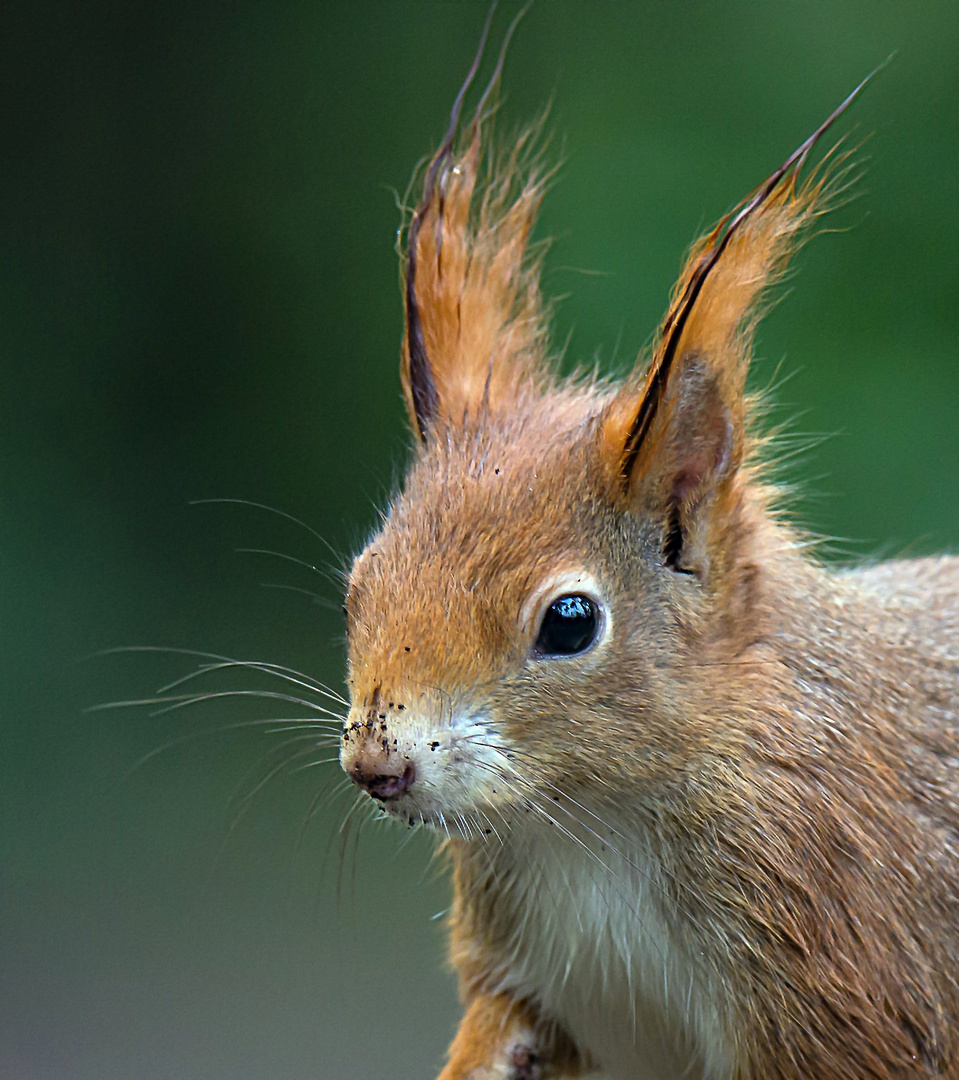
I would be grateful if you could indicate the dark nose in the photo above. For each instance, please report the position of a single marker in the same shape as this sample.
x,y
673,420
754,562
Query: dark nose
x,y
383,776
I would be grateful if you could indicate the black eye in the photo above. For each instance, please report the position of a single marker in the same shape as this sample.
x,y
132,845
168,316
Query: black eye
x,y
569,626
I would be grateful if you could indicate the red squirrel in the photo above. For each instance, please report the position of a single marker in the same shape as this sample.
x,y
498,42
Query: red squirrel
x,y
700,791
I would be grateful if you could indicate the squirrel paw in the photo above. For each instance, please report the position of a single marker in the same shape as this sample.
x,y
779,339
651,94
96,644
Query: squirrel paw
x,y
523,1063
502,1039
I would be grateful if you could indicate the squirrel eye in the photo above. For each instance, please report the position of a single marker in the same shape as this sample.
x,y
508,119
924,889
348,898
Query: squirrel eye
x,y
568,627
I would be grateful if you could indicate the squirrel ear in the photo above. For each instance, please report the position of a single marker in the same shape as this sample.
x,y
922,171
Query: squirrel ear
x,y
681,474
675,435
475,328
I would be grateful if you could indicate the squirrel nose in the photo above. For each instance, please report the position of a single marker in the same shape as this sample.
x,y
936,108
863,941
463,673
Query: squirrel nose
x,y
381,776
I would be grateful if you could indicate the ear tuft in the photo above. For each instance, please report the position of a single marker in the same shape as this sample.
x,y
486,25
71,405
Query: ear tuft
x,y
475,325
677,431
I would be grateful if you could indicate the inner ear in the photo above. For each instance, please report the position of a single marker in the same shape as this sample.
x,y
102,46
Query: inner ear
x,y
699,434
689,460
674,542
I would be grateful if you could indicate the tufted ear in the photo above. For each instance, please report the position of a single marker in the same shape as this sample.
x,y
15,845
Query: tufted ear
x,y
475,328
675,435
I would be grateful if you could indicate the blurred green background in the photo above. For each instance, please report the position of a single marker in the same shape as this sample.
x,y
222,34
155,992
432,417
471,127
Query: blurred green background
x,y
199,299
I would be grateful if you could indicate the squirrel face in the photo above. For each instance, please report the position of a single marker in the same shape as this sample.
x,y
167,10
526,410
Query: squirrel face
x,y
631,504
470,692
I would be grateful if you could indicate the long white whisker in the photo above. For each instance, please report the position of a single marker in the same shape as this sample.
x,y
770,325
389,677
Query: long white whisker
x,y
528,800
605,824
221,728
323,601
279,671
323,796
293,723
492,827
243,804
325,574
273,510
171,704
357,803
319,761
227,661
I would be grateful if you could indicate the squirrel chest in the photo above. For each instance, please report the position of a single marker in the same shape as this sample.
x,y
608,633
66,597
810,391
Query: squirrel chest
x,y
573,919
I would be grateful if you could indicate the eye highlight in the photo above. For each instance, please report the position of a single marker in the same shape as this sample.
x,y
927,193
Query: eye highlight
x,y
569,626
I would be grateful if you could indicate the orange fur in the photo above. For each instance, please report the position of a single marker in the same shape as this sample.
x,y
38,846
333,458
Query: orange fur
x,y
483,324
500,1039
722,840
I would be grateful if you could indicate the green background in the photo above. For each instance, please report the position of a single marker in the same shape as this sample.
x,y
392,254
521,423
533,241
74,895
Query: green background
x,y
199,298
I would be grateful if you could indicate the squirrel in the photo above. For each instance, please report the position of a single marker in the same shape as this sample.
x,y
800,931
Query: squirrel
x,y
700,791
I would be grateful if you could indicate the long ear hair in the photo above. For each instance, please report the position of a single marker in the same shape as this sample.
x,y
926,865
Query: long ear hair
x,y
475,324
677,429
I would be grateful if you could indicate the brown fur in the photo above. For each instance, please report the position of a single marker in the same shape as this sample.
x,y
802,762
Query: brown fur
x,y
770,744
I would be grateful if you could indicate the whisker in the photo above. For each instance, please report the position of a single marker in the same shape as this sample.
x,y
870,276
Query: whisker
x,y
278,670
358,802
243,804
219,730
321,798
273,510
602,822
325,574
404,844
348,833
294,723
492,827
610,874
319,761
528,799
263,665
180,701
323,601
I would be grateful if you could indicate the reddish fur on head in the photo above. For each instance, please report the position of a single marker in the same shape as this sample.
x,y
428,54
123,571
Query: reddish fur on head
x,y
472,287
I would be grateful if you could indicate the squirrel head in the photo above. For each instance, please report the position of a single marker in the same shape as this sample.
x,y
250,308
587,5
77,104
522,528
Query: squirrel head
x,y
567,557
